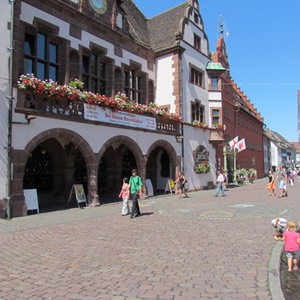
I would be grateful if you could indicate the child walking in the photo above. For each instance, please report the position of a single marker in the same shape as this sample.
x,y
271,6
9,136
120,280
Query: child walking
x,y
291,240
124,194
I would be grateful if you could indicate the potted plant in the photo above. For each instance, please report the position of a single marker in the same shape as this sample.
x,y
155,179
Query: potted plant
x,y
241,175
202,168
251,174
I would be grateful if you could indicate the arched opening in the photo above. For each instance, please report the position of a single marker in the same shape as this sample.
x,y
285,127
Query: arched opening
x,y
115,164
39,170
128,163
161,166
52,170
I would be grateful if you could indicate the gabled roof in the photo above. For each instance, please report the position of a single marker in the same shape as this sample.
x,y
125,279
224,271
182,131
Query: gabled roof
x,y
245,102
164,28
158,33
296,145
278,139
137,22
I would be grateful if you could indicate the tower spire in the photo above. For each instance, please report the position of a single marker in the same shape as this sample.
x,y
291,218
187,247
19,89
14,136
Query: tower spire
x,y
221,26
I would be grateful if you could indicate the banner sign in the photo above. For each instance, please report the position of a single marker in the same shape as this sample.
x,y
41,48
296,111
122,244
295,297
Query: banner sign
x,y
96,113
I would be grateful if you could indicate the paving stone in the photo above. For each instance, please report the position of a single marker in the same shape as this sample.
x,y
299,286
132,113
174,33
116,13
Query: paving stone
x,y
203,248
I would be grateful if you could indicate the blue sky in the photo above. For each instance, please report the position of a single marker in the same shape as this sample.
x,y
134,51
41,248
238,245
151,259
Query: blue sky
x,y
263,49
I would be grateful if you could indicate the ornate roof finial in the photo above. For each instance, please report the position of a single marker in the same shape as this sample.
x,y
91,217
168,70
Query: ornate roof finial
x,y
222,28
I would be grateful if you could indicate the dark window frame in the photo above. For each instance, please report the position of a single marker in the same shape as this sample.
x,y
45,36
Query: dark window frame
x,y
94,72
40,54
197,42
198,111
197,77
133,85
216,118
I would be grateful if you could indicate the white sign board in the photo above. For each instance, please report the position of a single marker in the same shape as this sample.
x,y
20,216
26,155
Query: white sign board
x,y
149,187
96,113
31,199
78,190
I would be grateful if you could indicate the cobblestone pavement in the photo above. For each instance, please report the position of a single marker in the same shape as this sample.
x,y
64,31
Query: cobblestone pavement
x,y
201,247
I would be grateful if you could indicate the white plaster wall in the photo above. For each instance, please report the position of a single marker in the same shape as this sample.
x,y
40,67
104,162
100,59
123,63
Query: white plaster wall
x,y
28,13
215,96
188,36
195,137
274,155
5,9
164,82
190,91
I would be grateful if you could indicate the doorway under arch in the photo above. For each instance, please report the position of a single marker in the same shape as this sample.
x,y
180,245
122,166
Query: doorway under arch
x,y
115,164
52,169
161,165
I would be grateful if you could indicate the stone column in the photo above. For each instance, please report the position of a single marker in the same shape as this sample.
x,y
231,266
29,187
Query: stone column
x,y
93,195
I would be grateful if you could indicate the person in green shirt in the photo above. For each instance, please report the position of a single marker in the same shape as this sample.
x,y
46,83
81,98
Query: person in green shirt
x,y
135,186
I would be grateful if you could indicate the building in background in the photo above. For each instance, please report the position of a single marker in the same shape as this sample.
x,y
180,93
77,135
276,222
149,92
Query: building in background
x,y
61,137
282,153
229,104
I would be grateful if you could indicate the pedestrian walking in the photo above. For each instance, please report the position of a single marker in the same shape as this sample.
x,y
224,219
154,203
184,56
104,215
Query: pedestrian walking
x,y
124,194
291,240
181,180
271,184
219,183
281,176
135,185
225,183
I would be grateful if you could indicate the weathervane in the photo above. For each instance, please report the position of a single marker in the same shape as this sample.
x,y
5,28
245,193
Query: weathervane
x,y
222,28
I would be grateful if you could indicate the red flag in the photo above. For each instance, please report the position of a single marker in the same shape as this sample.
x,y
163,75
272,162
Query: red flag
x,y
241,145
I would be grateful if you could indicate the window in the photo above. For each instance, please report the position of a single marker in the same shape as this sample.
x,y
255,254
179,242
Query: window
x,y
214,83
196,77
198,112
40,56
132,87
215,116
197,42
94,74
196,18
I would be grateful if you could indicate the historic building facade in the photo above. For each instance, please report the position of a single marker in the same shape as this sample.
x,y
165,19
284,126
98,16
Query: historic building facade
x,y
241,119
51,143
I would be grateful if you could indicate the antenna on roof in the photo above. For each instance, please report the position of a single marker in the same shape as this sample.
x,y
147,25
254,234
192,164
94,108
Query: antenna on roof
x,y
222,28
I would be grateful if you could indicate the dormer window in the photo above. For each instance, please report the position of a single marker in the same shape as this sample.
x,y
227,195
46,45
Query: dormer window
x,y
196,18
197,42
